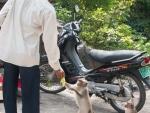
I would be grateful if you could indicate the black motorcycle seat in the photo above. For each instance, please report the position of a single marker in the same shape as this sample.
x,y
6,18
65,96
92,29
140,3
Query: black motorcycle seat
x,y
103,56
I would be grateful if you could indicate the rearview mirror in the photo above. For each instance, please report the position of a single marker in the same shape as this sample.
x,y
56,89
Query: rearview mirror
x,y
77,9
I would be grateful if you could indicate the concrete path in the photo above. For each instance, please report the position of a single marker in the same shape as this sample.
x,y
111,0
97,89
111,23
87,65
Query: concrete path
x,y
64,103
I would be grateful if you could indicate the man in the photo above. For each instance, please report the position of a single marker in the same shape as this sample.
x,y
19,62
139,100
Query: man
x,y
22,22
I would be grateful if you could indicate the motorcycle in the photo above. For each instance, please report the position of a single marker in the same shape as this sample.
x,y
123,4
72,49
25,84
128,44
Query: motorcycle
x,y
120,76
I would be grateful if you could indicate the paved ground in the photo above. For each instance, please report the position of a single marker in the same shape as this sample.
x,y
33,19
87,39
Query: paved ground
x,y
64,103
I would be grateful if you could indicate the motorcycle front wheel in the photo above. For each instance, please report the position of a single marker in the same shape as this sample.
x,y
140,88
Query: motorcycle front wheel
x,y
47,82
137,90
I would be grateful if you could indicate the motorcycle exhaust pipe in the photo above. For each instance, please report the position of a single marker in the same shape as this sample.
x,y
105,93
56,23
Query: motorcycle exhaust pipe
x,y
110,87
102,89
126,98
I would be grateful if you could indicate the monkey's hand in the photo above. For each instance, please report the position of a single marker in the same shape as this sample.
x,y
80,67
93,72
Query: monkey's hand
x,y
68,86
72,87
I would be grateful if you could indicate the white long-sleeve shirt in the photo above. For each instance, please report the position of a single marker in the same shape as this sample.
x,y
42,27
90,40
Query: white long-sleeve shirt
x,y
22,22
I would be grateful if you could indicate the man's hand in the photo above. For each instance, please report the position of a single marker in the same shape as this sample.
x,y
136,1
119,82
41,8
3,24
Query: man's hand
x,y
59,73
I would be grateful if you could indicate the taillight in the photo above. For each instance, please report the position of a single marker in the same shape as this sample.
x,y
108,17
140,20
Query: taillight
x,y
146,61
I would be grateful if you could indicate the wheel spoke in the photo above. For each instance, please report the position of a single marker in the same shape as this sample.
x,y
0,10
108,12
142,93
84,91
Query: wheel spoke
x,y
47,81
129,83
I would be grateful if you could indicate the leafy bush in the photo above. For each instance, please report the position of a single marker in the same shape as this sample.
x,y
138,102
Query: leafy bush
x,y
140,17
62,13
109,24
106,29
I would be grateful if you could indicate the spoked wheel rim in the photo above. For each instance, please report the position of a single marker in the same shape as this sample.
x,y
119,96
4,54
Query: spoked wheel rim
x,y
129,83
47,81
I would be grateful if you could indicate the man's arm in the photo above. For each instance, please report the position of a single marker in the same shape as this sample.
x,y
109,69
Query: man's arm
x,y
73,88
50,38
4,11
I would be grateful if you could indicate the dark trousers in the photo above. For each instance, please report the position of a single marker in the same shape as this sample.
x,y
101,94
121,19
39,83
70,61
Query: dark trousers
x,y
30,80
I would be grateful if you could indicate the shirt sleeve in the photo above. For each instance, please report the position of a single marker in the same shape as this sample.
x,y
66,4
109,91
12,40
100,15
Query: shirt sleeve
x,y
50,38
4,11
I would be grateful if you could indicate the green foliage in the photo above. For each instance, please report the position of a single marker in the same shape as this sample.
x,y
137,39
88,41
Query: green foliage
x,y
111,24
105,29
140,17
63,13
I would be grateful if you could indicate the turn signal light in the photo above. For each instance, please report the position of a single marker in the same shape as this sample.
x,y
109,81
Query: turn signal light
x,y
146,61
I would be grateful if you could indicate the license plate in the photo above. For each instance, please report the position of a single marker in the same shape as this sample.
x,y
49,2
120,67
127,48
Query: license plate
x,y
145,71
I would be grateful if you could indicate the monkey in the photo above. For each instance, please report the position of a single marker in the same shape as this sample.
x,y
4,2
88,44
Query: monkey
x,y
129,107
81,95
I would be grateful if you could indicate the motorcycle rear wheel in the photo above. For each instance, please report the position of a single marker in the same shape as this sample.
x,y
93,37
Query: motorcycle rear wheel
x,y
46,84
139,86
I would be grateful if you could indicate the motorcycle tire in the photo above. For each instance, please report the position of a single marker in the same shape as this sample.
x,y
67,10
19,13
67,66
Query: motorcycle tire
x,y
142,99
45,69
52,91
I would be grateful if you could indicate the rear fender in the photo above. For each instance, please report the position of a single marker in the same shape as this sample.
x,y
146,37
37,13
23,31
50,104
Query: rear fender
x,y
138,75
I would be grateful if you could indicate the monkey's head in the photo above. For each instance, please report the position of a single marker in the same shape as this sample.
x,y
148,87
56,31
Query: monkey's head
x,y
82,82
129,106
